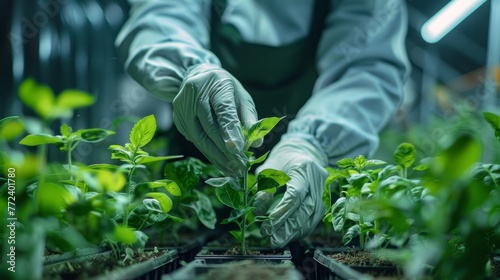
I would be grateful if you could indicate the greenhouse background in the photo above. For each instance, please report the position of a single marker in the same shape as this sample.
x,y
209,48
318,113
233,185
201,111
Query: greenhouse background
x,y
70,44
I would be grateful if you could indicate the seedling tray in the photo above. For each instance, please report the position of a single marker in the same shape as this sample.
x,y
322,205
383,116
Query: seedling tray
x,y
146,270
213,255
72,255
328,268
199,269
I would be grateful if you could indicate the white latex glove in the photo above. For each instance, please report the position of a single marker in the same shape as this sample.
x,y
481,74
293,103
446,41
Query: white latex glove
x,y
301,207
209,110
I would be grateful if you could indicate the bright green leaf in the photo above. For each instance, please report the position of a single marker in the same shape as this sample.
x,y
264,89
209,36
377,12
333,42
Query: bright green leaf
x,y
40,139
271,178
40,98
94,135
152,204
169,185
236,234
6,120
111,181
66,130
405,155
143,131
165,201
261,128
52,198
10,129
124,235
259,159
229,197
458,158
345,163
149,159
71,99
494,121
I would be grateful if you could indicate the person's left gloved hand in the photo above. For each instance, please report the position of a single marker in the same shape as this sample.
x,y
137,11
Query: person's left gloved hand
x,y
301,207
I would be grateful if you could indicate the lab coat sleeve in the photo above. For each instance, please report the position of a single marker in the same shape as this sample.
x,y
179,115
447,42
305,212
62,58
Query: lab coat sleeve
x,y
362,63
162,39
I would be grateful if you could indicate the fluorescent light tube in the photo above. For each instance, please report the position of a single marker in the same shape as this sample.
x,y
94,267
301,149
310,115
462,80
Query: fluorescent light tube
x,y
448,18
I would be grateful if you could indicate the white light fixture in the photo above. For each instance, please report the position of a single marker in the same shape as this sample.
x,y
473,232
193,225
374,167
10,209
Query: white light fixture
x,y
448,18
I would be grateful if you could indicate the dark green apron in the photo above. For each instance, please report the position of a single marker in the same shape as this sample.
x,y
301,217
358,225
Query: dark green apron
x,y
279,79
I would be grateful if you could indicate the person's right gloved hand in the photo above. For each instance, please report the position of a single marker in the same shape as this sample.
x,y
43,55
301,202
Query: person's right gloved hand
x,y
209,111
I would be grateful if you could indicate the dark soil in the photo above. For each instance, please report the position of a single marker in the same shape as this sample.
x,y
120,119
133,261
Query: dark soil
x,y
236,251
367,263
93,266
247,271
360,258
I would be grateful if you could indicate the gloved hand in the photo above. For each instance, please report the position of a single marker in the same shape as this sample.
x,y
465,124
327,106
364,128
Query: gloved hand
x,y
301,207
209,110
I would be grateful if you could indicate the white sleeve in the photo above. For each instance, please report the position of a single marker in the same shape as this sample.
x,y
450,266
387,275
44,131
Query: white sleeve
x,y
164,38
362,63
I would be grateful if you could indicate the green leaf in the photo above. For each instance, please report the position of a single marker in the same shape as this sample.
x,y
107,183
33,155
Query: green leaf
x,y
352,232
152,205
374,162
111,181
345,163
494,121
11,129
40,98
120,152
359,162
405,155
271,178
66,130
40,139
52,198
204,210
185,172
143,131
259,159
261,128
237,213
94,135
71,99
163,199
141,239
236,234
229,197
458,158
222,181
149,159
169,185
124,235
6,120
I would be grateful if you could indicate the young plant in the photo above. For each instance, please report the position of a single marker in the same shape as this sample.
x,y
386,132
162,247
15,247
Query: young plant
x,y
145,203
239,193
363,192
68,140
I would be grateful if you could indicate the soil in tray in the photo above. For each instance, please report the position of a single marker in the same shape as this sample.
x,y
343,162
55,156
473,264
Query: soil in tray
x,y
246,271
93,266
236,251
370,264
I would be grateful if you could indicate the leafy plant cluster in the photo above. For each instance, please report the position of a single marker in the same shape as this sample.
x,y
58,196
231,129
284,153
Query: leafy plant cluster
x,y
444,220
63,207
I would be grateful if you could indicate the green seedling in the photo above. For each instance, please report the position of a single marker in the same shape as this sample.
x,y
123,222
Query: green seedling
x,y
68,140
239,193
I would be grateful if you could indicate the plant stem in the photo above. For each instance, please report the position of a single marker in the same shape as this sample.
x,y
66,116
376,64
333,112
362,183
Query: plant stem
x,y
127,190
244,222
143,222
68,147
